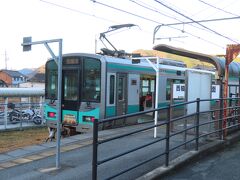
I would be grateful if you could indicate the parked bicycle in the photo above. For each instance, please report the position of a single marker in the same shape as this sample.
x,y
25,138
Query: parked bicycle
x,y
16,115
33,115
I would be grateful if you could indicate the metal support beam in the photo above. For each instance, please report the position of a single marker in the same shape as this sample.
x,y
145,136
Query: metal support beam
x,y
5,111
27,43
51,52
156,69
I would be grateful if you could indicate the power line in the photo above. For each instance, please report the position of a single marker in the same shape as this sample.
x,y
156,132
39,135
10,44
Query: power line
x,y
204,9
121,10
156,22
182,22
217,33
87,14
77,11
217,8
154,10
206,20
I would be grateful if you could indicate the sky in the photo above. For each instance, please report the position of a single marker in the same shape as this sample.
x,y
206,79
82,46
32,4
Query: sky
x,y
79,23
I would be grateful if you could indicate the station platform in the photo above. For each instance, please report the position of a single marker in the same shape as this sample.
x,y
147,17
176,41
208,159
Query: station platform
x,y
38,161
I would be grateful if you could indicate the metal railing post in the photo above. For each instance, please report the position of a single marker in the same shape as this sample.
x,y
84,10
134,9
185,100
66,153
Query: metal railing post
x,y
197,123
238,110
5,112
95,149
167,135
21,117
217,115
221,120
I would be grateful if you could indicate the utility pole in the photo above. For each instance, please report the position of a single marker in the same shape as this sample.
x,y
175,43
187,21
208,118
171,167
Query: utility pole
x,y
232,52
6,59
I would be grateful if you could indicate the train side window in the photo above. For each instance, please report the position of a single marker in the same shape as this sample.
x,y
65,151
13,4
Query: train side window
x,y
120,89
145,87
112,89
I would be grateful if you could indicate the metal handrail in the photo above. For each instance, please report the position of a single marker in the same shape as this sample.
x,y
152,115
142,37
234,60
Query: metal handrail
x,y
168,135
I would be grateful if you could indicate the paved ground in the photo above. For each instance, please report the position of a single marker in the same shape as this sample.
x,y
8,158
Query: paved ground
x,y
36,162
223,165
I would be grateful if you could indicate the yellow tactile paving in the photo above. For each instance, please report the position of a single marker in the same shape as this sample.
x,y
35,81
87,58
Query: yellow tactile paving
x,y
21,160
42,155
86,142
48,153
71,147
7,164
34,157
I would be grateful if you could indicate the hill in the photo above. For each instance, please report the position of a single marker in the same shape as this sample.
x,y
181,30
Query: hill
x,y
188,61
38,75
27,71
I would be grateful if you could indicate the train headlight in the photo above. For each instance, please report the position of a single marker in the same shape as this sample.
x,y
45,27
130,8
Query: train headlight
x,y
51,114
88,118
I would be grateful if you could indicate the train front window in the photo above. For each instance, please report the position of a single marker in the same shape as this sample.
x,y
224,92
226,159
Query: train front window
x,y
51,80
70,85
91,80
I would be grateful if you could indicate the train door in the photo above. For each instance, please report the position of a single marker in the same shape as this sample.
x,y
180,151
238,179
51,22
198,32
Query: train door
x,y
70,95
147,94
121,98
70,90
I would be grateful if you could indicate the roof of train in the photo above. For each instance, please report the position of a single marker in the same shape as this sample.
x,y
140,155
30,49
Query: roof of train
x,y
144,63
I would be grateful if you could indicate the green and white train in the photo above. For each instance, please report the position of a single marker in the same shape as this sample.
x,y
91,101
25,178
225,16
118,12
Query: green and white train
x,y
98,86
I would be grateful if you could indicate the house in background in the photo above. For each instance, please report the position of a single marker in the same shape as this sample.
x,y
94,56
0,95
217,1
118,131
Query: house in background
x,y
12,78
35,79
3,84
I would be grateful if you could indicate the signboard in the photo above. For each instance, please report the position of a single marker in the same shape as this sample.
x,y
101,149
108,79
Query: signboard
x,y
178,91
215,91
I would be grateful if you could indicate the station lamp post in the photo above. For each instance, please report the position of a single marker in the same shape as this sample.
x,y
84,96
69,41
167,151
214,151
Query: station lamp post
x,y
27,44
155,66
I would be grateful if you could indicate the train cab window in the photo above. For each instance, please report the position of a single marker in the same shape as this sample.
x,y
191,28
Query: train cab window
x,y
51,80
112,89
168,86
91,80
70,89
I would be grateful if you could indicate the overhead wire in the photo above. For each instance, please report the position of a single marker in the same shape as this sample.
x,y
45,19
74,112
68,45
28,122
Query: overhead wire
x,y
139,16
217,33
204,9
154,10
208,4
121,10
77,11
104,19
200,21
